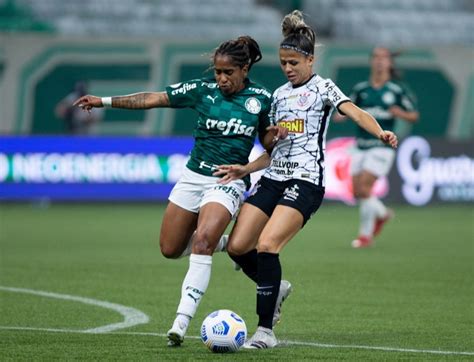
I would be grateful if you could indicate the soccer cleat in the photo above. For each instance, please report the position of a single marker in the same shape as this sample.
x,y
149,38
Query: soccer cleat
x,y
175,338
263,338
237,267
380,221
285,290
176,333
362,242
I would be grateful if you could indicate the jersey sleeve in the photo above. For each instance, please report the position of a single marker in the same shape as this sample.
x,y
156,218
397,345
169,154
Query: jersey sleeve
x,y
332,95
354,96
407,100
264,119
185,94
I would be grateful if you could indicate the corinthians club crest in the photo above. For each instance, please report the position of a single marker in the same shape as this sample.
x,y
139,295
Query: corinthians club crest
x,y
253,105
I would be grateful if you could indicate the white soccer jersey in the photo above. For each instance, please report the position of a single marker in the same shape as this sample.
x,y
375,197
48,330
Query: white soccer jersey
x,y
305,110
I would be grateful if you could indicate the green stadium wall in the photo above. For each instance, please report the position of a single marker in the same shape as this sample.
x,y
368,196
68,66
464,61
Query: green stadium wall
x,y
36,72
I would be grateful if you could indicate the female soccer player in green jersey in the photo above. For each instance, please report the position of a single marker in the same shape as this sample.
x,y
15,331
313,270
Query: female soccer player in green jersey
x,y
232,110
387,101
292,188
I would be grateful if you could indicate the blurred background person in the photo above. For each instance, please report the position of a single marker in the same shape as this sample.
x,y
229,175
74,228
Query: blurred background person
x,y
387,100
76,121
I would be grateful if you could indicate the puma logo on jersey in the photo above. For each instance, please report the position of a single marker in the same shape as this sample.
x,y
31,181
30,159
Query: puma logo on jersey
x,y
234,126
213,99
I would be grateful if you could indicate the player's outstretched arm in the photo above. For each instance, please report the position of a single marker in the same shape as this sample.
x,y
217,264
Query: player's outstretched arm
x,y
367,122
143,100
234,172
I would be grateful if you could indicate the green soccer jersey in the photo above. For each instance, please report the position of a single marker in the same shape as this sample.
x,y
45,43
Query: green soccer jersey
x,y
226,125
377,102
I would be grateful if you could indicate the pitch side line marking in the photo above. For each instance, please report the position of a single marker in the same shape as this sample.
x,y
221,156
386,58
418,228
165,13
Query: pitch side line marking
x,y
131,316
282,342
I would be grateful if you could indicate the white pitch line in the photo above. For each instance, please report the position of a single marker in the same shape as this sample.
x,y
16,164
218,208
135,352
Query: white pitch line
x,y
388,349
131,316
281,342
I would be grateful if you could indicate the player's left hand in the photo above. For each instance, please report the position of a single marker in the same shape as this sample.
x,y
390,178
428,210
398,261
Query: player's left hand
x,y
397,111
230,172
389,138
279,132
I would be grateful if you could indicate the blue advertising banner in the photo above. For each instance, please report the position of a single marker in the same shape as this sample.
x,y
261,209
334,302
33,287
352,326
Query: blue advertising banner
x,y
90,168
145,169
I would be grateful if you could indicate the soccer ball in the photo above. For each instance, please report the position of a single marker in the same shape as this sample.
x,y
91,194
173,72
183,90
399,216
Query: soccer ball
x,y
223,331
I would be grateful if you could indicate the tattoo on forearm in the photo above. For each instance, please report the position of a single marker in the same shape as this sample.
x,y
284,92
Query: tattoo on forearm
x,y
134,101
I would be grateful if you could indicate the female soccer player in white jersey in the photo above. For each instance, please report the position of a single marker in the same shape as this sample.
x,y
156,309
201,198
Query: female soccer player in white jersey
x,y
232,110
386,100
292,188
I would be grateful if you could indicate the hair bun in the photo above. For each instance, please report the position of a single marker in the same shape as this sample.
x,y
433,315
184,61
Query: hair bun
x,y
292,23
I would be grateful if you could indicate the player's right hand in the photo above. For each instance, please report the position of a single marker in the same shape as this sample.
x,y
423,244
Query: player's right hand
x,y
87,102
230,172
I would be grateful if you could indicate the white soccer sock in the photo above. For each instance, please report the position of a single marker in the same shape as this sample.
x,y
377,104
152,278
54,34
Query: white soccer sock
x,y
195,284
181,322
221,245
367,217
378,206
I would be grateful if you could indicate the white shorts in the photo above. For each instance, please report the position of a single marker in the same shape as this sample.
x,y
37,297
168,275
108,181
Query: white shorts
x,y
377,160
193,191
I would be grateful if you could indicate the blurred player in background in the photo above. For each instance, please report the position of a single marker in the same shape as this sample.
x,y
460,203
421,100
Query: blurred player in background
x,y
292,188
232,111
77,122
387,101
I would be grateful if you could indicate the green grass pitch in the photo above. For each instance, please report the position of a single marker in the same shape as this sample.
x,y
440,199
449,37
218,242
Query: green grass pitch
x,y
405,299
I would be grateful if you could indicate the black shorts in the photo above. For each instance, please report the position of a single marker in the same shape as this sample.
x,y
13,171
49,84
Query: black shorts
x,y
303,196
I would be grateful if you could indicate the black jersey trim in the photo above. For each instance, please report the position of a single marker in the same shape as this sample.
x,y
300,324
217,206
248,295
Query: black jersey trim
x,y
303,84
322,129
344,101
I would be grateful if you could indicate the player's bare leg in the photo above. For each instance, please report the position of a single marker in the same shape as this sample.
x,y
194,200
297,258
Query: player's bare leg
x,y
212,222
177,227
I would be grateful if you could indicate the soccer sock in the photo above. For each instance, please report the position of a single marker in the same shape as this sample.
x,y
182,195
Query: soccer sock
x,y
248,263
268,286
181,322
221,245
195,284
367,217
378,206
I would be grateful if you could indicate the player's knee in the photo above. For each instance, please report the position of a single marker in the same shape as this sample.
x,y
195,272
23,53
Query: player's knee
x,y
362,192
168,250
202,244
234,248
267,245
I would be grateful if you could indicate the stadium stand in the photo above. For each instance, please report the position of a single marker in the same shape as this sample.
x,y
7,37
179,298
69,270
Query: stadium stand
x,y
389,22
14,18
176,19
395,22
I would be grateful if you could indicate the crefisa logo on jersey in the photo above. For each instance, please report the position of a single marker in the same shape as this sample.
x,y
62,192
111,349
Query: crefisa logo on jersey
x,y
253,105
182,88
